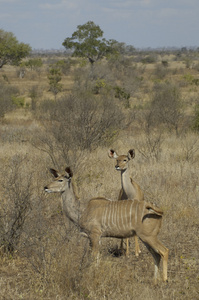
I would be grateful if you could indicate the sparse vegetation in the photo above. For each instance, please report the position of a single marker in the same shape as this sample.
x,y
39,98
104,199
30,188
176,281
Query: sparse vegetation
x,y
6,98
42,255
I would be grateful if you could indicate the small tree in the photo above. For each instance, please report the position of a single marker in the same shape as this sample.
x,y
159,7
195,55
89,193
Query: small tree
x,y
11,51
54,80
87,42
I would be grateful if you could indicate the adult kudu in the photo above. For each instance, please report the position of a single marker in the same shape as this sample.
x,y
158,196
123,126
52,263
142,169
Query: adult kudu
x,y
129,188
107,218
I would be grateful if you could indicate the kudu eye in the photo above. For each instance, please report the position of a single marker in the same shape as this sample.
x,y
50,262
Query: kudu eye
x,y
60,180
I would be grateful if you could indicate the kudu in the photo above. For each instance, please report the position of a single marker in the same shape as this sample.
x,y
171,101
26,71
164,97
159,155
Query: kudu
x,y
130,189
117,219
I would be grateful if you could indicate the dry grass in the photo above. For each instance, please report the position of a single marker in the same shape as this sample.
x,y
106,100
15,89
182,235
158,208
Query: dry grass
x,y
53,261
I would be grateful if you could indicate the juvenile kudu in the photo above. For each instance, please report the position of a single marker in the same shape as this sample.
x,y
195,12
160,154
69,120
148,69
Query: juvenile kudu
x,y
117,219
130,189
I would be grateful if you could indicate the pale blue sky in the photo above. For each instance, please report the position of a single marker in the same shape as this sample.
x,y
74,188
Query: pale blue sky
x,y
44,24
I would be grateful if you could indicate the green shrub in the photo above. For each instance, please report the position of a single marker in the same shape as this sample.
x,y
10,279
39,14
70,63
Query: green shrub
x,y
55,77
165,63
196,119
190,79
149,59
122,94
99,84
18,101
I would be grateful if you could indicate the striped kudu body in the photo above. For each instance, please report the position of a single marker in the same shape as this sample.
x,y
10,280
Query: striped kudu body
x,y
130,189
117,219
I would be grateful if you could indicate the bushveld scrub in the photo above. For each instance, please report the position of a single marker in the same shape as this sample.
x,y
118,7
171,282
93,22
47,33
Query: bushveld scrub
x,y
42,255
6,98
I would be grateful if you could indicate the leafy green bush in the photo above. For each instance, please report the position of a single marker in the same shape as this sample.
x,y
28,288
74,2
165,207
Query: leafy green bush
x,y
33,63
122,94
165,63
99,84
196,119
18,101
149,59
54,80
191,79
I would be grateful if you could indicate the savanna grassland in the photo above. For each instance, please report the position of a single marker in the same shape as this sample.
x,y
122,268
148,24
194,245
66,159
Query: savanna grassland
x,y
148,102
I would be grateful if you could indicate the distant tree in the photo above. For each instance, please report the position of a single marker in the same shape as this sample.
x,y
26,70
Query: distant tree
x,y
130,49
11,51
87,42
33,63
122,48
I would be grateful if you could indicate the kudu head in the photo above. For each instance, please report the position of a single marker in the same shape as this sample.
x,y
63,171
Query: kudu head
x,y
122,160
61,181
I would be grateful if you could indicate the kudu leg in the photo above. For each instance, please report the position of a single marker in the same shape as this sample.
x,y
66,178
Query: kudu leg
x,y
122,247
164,252
158,251
127,247
94,242
137,247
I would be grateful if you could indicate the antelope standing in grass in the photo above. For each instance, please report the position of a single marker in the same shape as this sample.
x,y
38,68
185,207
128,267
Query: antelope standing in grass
x,y
117,219
130,189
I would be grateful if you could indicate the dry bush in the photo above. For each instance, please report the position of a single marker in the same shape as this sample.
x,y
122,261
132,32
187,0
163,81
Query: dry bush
x,y
160,71
6,103
167,106
77,124
17,186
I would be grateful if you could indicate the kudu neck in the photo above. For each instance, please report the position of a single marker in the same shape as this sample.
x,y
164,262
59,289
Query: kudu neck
x,y
127,185
125,173
71,204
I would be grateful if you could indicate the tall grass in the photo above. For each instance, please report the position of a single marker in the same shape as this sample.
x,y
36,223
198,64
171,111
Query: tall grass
x,y
52,261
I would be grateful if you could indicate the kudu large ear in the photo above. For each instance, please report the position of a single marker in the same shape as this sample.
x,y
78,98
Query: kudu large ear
x,y
112,153
54,172
131,154
69,173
